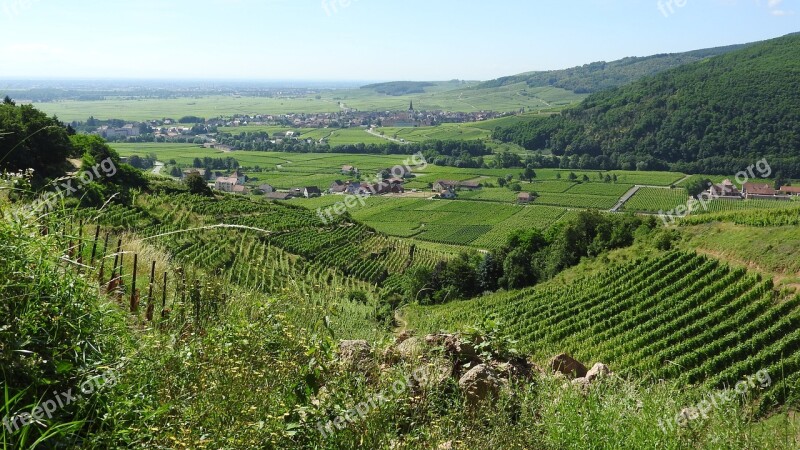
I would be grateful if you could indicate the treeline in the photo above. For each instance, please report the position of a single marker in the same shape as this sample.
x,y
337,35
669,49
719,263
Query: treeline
x,y
210,163
601,75
716,116
455,153
529,257
397,88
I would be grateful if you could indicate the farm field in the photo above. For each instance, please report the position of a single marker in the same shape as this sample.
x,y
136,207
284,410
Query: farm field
x,y
674,315
654,200
453,222
445,96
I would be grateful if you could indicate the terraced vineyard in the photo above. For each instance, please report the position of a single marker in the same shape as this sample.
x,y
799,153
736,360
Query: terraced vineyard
x,y
677,315
265,246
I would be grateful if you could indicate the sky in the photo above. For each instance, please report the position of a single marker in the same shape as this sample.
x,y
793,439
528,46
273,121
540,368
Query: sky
x,y
374,40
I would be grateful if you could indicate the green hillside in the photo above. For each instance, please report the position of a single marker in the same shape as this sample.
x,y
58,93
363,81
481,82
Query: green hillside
x,y
675,315
719,115
602,75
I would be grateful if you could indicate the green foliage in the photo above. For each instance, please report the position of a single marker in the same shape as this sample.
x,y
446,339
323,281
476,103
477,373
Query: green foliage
x,y
527,258
397,88
719,115
31,140
603,75
197,185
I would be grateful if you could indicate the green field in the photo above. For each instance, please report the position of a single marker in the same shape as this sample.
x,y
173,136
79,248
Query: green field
x,y
443,96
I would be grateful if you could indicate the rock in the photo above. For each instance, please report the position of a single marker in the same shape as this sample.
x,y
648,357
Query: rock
x,y
462,351
479,383
434,374
516,368
435,340
404,336
567,365
411,348
599,370
354,352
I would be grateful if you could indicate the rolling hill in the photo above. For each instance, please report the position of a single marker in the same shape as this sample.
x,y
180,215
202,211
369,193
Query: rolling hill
x,y
719,115
602,75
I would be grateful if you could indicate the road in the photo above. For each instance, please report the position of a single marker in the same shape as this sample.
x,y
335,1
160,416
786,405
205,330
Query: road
x,y
157,168
376,134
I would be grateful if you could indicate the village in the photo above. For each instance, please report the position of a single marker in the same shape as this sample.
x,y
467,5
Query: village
x,y
236,183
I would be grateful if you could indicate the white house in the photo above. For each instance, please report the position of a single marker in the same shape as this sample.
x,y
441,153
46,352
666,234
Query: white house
x,y
226,184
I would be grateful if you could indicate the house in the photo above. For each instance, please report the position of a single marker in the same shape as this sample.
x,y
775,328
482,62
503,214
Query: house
x,y
337,187
447,194
726,190
791,190
352,187
240,176
445,185
226,184
469,185
239,189
762,191
524,198
311,191
186,172
348,170
279,196
128,130
266,188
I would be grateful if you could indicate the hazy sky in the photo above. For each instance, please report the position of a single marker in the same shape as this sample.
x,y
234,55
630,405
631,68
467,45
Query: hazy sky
x,y
362,39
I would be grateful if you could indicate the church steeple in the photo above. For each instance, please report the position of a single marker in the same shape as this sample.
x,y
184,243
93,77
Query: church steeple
x,y
411,106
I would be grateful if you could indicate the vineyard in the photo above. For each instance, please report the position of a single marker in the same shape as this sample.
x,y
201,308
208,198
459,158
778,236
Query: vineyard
x,y
677,315
656,200
265,246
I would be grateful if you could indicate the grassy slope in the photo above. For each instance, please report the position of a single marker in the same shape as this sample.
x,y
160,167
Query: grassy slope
x,y
241,383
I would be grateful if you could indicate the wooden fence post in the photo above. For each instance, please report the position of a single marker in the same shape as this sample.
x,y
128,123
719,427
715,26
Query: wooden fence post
x,y
134,294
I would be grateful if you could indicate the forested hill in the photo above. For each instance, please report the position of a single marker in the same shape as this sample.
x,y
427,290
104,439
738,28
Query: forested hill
x,y
603,75
714,116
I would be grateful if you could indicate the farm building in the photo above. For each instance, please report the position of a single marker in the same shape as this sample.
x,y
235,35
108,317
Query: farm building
x,y
311,191
279,196
524,198
791,190
762,191
337,187
725,190
226,184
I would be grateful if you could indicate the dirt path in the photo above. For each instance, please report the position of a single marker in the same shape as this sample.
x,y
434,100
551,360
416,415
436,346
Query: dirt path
x,y
402,324
376,134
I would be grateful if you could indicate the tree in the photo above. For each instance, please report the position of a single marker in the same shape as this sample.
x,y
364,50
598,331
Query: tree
x,y
175,172
31,140
197,163
7,101
501,182
697,186
585,178
558,175
572,176
529,174
197,185
780,181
